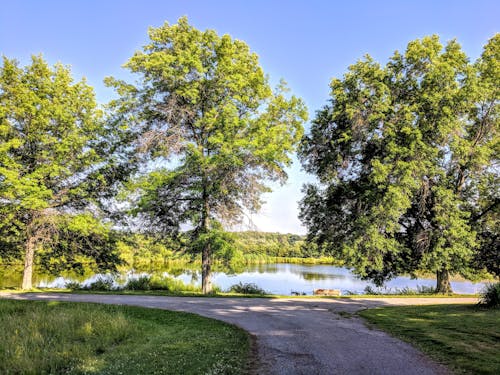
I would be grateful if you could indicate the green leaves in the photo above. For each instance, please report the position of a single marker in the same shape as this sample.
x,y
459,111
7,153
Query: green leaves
x,y
48,125
204,103
57,158
401,153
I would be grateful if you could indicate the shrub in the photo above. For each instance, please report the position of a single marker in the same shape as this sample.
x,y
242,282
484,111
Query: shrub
x,y
246,288
101,284
372,291
73,285
406,291
140,283
490,296
161,283
144,282
426,289
171,284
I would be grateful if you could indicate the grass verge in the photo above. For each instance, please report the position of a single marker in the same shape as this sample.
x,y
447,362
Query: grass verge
x,y
464,337
168,293
84,338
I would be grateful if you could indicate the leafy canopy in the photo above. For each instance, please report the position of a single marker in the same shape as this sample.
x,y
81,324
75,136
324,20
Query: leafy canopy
x,y
407,160
209,128
56,160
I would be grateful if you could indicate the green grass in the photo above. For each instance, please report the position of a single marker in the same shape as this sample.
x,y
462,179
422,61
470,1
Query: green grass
x,y
84,338
218,294
464,337
416,295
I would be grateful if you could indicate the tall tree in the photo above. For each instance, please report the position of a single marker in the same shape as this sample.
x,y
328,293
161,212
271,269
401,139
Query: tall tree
x,y
56,159
407,160
209,127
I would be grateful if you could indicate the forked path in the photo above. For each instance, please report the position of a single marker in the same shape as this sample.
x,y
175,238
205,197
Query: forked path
x,y
296,336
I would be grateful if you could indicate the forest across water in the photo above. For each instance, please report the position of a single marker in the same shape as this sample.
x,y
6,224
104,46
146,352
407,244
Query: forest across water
x,y
277,263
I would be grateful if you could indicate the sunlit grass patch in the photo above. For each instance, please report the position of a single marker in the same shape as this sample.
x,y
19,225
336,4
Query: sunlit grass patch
x,y
464,337
82,338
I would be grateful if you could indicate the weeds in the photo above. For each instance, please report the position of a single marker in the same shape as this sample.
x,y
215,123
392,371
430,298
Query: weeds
x,y
140,283
144,282
490,296
406,291
102,283
246,288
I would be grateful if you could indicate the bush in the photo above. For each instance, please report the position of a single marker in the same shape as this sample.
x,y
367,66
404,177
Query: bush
x,y
372,291
145,282
406,291
246,288
172,285
73,285
490,296
426,289
101,284
165,283
140,283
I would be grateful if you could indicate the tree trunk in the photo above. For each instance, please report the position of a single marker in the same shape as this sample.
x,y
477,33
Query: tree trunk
x,y
206,256
206,275
443,285
28,264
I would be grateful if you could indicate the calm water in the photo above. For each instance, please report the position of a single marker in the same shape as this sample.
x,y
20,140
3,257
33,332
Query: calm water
x,y
287,278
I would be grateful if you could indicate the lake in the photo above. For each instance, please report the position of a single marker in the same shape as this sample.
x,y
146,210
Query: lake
x,y
283,278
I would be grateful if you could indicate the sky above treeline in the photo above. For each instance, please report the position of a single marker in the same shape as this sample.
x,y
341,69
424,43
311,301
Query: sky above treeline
x,y
305,42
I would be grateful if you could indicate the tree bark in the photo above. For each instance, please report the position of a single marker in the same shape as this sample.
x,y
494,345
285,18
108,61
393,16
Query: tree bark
x,y
443,285
206,275
206,256
28,264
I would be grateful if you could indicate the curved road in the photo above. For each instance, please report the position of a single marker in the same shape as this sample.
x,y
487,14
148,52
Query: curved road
x,y
296,336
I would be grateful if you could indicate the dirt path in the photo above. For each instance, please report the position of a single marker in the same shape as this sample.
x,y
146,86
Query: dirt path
x,y
297,336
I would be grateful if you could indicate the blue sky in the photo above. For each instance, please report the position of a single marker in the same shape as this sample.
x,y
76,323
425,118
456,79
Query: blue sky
x,y
305,42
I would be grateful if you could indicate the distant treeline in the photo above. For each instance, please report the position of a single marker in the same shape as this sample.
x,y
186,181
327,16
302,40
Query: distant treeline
x,y
246,247
273,244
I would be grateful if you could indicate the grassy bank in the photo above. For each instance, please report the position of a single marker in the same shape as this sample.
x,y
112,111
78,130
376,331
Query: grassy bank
x,y
218,294
463,337
81,338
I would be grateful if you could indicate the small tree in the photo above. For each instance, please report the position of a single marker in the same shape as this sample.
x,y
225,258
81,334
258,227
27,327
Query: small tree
x,y
56,159
407,159
204,104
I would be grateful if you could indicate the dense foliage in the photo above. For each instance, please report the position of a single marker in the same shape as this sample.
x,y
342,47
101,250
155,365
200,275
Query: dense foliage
x,y
210,130
247,288
490,295
407,159
140,249
239,247
406,155
57,158
275,244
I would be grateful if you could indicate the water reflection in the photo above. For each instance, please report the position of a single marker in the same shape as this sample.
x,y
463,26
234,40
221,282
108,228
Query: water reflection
x,y
320,276
280,278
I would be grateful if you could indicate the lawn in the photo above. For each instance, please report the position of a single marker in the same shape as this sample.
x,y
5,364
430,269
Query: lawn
x,y
85,338
466,338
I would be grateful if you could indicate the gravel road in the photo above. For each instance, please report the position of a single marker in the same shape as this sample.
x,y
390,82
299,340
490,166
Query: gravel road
x,y
296,336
